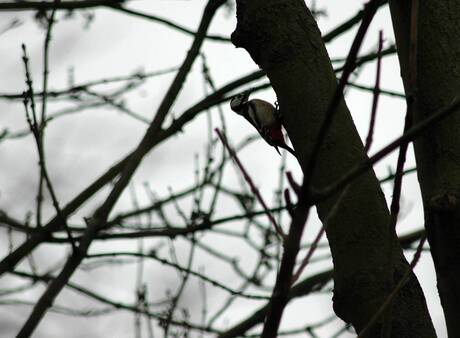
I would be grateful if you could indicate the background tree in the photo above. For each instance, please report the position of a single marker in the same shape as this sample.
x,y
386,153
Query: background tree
x,y
226,264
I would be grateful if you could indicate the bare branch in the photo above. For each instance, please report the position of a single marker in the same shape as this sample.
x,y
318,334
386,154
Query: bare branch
x,y
100,215
254,189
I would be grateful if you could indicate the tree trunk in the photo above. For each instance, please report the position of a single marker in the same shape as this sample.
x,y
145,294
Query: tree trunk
x,y
437,151
283,39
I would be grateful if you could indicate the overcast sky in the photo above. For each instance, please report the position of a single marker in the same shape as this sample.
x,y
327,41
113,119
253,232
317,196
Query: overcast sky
x,y
82,146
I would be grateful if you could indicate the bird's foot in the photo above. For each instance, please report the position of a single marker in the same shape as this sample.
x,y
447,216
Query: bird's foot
x,y
277,112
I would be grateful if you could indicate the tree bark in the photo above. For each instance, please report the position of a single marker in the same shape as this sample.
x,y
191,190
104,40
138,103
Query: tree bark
x,y
438,151
282,37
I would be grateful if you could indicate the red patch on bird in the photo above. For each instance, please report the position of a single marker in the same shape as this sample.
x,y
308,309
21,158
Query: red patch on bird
x,y
276,135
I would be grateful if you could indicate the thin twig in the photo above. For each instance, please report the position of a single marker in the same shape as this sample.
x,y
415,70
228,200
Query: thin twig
x,y
49,5
120,106
181,269
375,99
175,299
397,186
41,125
381,91
139,289
77,88
30,94
35,129
168,23
47,279
249,180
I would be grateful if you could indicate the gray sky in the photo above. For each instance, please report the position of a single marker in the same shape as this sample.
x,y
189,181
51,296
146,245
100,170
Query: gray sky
x,y
81,146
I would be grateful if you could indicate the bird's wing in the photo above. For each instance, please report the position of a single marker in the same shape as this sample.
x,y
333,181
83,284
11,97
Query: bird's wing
x,y
265,112
252,116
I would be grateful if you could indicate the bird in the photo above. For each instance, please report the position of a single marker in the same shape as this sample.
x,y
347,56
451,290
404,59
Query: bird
x,y
264,117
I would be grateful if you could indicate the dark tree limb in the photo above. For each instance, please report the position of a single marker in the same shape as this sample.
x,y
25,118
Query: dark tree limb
x,y
283,39
47,278
306,286
49,5
166,22
117,5
438,152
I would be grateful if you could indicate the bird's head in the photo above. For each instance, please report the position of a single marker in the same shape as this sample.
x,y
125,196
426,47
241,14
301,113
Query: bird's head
x,y
238,101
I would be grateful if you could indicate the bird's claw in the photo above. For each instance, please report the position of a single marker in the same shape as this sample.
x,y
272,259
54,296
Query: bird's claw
x,y
277,112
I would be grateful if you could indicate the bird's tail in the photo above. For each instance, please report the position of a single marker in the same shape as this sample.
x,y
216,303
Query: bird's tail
x,y
289,149
285,146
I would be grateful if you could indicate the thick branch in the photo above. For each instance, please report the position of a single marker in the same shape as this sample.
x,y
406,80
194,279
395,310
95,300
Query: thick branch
x,y
48,5
283,39
303,288
437,152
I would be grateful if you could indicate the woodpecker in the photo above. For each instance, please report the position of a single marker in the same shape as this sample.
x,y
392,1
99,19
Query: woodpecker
x,y
264,117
